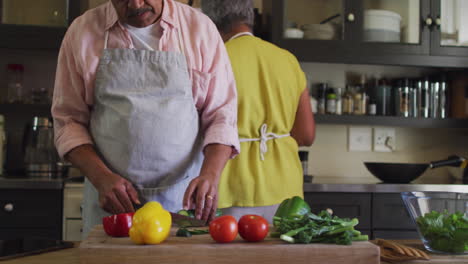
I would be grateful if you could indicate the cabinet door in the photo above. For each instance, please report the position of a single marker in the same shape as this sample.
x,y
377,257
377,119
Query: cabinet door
x,y
361,31
14,233
35,24
73,230
313,30
450,29
389,212
89,4
395,234
393,27
344,205
31,209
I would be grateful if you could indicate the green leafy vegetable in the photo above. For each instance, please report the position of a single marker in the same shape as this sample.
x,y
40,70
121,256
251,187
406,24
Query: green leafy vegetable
x,y
445,232
321,228
185,232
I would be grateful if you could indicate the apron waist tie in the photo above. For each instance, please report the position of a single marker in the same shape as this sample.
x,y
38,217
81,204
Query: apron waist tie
x,y
264,137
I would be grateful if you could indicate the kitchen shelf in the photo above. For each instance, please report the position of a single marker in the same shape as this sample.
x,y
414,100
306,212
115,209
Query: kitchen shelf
x,y
394,121
26,109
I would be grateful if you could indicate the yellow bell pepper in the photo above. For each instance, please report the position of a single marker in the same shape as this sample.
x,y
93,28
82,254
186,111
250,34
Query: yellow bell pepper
x,y
151,224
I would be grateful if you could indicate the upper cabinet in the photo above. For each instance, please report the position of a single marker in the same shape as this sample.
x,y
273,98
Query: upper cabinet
x,y
450,28
395,32
35,24
88,4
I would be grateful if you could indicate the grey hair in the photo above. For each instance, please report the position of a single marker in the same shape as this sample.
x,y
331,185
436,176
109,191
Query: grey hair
x,y
227,13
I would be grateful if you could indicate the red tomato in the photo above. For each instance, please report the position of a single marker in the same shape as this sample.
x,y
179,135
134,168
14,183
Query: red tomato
x,y
223,229
253,228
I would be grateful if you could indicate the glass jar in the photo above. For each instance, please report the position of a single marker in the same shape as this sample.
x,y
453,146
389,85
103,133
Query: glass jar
x,y
15,87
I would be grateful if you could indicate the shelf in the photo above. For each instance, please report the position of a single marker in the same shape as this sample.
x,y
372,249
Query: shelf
x,y
26,109
393,121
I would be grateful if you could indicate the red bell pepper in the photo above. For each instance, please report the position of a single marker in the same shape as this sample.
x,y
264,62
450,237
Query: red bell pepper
x,y
117,225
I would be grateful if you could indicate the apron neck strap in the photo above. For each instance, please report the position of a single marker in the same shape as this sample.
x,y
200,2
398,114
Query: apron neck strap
x,y
106,38
246,33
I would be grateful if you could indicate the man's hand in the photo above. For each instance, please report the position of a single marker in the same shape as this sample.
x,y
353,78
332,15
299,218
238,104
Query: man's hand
x,y
202,192
117,195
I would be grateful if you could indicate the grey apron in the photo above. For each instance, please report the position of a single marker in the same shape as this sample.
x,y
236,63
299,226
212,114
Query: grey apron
x,y
145,126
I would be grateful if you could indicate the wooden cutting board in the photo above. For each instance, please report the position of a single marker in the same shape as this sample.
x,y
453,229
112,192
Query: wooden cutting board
x,y
103,249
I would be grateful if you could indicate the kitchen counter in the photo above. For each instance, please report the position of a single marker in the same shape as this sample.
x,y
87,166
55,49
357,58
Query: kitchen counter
x,y
38,183
384,188
30,183
71,256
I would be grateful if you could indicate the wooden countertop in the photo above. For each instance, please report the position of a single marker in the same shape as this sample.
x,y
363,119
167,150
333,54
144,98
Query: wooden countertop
x,y
71,256
64,256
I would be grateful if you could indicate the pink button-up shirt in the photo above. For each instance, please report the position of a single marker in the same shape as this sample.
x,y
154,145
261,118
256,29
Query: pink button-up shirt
x,y
214,90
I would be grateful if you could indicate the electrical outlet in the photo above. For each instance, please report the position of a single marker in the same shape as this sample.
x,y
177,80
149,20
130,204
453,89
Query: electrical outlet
x,y
360,139
384,139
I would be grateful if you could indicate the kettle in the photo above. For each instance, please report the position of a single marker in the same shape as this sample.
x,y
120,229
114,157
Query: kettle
x,y
40,157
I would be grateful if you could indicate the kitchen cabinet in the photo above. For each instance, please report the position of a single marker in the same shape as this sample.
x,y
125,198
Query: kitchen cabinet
x,y
26,24
72,209
30,213
389,213
346,205
403,32
381,215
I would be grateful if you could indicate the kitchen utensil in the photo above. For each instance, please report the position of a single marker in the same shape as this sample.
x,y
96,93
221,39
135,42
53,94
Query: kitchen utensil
x,y
381,26
319,31
437,234
407,172
328,19
395,252
40,157
186,221
293,33
100,248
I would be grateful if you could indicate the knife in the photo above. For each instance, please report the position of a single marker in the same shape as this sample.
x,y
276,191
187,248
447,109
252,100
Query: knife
x,y
186,221
178,219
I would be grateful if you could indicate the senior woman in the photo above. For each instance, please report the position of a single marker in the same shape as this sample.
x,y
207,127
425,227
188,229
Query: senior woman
x,y
274,116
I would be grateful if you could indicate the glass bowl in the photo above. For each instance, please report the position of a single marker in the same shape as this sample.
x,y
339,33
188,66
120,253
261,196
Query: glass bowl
x,y
441,219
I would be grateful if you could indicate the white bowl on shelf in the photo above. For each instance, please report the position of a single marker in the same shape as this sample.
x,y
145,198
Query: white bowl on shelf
x,y
382,26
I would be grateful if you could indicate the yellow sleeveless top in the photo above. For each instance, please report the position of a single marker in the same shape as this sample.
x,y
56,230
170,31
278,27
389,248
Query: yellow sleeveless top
x,y
269,84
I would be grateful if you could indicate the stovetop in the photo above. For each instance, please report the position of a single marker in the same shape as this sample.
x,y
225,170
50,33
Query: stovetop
x,y
12,248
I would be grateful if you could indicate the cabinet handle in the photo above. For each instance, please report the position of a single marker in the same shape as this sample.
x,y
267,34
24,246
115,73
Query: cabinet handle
x,y
351,17
8,207
438,22
428,21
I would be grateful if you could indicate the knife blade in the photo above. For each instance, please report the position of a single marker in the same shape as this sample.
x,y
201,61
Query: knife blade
x,y
177,219
186,221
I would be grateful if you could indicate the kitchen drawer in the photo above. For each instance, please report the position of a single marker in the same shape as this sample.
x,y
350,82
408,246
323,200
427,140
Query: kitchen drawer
x,y
30,209
395,234
73,230
344,205
13,233
389,212
73,198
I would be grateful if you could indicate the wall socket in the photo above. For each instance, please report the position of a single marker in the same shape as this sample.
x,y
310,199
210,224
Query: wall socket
x,y
360,139
384,139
